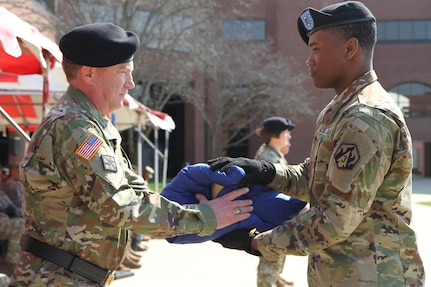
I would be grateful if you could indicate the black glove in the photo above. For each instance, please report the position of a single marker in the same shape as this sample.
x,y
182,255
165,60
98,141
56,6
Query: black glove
x,y
256,171
239,239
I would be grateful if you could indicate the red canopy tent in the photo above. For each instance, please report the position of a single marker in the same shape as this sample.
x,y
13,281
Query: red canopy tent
x,y
135,114
23,51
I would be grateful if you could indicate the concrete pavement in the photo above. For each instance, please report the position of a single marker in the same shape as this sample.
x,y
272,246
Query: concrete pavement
x,y
210,265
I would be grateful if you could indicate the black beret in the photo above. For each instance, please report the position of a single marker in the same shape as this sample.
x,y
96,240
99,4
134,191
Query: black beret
x,y
98,45
277,124
311,20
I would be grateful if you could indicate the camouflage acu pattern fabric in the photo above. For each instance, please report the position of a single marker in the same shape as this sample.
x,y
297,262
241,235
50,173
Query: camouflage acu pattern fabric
x,y
268,271
269,153
81,195
11,229
357,231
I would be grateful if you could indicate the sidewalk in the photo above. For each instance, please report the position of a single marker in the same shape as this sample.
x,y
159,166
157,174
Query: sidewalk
x,y
210,265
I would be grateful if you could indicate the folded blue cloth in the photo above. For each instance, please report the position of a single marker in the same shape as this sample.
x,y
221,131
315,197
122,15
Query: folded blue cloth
x,y
271,208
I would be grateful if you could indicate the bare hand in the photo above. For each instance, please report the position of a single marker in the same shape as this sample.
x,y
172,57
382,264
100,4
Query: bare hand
x,y
227,210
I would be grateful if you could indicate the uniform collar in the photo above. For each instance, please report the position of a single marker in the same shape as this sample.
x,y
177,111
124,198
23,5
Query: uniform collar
x,y
85,104
273,149
350,93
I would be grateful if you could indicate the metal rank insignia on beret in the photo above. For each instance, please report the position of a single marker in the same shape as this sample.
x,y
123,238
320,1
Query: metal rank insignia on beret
x,y
307,20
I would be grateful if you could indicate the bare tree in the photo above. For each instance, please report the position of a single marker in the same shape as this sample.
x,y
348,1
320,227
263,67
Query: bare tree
x,y
246,82
180,39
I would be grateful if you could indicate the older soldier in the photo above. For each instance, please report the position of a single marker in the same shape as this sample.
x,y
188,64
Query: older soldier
x,y
80,193
358,180
11,186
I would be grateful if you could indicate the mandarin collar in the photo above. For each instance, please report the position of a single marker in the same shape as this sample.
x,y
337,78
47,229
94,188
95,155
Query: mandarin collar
x,y
349,94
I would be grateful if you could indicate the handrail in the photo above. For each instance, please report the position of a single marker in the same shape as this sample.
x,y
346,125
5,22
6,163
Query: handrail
x,y
14,124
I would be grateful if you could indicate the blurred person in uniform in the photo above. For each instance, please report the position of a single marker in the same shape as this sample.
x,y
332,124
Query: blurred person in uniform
x,y
148,173
276,135
358,178
80,189
11,228
12,186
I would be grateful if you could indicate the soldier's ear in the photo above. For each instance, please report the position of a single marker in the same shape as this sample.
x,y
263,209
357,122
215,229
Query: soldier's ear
x,y
87,74
351,47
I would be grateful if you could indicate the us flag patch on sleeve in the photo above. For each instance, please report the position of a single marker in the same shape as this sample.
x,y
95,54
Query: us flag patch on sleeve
x,y
89,147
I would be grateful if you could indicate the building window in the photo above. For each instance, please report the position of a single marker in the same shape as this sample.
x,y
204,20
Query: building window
x,y
404,31
164,31
412,89
244,30
413,98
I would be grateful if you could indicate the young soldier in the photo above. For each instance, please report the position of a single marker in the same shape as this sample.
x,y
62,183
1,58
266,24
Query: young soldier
x,y
358,179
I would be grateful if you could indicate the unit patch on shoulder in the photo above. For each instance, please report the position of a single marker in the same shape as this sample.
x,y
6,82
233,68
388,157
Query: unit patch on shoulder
x,y
109,163
347,156
89,147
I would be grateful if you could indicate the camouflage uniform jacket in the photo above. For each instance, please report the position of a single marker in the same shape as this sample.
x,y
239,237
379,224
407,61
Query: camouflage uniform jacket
x,y
269,153
81,194
358,182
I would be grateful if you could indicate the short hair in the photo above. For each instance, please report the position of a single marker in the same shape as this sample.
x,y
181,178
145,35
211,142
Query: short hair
x,y
70,69
365,32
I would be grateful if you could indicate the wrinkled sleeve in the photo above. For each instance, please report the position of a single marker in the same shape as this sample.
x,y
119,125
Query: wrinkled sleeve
x,y
359,161
108,187
292,180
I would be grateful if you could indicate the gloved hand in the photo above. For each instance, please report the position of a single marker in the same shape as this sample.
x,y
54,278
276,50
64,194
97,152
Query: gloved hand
x,y
239,239
256,171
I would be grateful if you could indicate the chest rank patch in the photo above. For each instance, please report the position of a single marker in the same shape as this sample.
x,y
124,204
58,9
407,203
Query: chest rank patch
x,y
347,156
109,163
89,147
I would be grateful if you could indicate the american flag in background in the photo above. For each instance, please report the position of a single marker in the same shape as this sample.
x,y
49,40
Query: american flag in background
x,y
89,147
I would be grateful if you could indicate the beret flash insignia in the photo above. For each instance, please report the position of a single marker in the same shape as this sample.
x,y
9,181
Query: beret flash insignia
x,y
307,20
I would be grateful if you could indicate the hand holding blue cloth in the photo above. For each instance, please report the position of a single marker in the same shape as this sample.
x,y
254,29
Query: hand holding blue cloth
x,y
271,208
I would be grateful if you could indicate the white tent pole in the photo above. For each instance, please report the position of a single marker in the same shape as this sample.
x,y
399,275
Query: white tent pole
x,y
45,91
165,157
157,153
156,159
150,143
139,147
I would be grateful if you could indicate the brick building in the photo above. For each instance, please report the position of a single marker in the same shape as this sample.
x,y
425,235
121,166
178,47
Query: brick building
x,y
401,61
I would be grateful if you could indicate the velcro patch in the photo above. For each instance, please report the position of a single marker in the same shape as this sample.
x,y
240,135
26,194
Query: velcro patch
x,y
109,163
347,156
89,147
